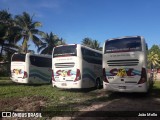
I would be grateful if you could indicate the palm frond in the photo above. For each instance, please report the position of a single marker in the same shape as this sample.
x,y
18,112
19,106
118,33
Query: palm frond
x,y
36,40
36,24
51,41
45,51
153,59
43,45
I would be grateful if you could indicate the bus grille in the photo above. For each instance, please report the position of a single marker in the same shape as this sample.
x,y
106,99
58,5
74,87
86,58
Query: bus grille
x,y
65,65
126,62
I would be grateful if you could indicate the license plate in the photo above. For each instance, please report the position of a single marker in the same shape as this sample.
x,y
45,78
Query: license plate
x,y
122,87
64,84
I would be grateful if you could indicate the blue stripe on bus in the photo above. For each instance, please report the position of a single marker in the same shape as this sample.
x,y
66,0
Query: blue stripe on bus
x,y
108,74
136,72
88,76
33,71
40,76
88,73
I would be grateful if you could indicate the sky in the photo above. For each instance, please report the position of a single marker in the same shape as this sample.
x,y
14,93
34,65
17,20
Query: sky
x,y
74,20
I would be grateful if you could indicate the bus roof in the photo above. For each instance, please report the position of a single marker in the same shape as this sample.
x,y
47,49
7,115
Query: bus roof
x,y
33,54
125,37
82,46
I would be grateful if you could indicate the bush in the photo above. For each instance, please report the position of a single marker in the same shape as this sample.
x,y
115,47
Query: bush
x,y
4,69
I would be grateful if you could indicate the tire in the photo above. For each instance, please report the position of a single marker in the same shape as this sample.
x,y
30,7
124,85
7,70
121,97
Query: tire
x,y
50,81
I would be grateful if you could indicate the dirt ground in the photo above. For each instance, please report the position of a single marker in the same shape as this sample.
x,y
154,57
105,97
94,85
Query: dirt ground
x,y
35,103
123,106
120,102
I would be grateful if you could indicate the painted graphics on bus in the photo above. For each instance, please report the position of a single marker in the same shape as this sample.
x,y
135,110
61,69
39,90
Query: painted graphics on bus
x,y
125,64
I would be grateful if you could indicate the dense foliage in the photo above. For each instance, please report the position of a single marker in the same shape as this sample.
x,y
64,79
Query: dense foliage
x,y
91,43
154,56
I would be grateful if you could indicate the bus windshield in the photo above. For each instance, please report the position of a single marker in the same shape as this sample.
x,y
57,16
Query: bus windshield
x,y
18,58
70,50
123,45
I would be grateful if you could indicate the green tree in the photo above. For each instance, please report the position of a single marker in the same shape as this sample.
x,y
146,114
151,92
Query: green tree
x,y
28,30
87,42
155,49
50,41
96,45
9,35
5,23
91,43
153,59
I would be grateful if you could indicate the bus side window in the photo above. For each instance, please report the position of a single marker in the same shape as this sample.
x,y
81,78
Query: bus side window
x,y
40,61
87,52
83,51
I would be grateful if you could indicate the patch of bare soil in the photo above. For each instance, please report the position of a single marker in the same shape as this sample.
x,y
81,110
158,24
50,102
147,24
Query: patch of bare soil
x,y
34,103
125,103
116,102
119,102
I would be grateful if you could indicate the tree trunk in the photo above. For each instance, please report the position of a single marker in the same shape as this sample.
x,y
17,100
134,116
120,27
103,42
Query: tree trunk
x,y
24,45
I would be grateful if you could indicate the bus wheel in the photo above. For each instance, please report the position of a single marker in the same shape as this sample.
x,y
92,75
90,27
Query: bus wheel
x,y
98,84
50,81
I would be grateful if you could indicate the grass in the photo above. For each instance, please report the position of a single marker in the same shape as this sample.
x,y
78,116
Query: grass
x,y
10,90
157,84
61,100
4,78
155,91
55,97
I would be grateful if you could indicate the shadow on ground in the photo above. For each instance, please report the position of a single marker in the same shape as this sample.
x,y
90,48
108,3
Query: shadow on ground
x,y
114,105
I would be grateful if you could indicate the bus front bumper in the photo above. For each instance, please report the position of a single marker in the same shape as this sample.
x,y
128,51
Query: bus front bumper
x,y
67,85
126,88
18,80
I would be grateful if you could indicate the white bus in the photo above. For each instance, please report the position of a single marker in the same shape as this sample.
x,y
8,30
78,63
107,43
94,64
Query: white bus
x,y
31,68
76,66
125,65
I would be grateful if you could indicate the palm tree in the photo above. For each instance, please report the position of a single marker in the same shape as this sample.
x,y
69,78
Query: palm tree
x,y
96,45
87,42
5,21
28,29
2,37
50,41
91,43
9,34
153,59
